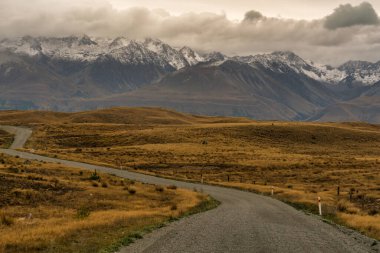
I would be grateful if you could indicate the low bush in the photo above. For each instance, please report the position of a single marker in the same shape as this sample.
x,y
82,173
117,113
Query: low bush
x,y
341,207
6,220
159,188
94,176
83,212
373,212
132,191
171,187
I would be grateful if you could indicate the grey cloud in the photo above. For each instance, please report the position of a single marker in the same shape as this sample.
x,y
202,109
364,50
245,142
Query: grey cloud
x,y
202,31
348,15
252,15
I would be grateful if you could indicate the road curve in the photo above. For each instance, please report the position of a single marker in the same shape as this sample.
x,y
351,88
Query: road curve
x,y
244,222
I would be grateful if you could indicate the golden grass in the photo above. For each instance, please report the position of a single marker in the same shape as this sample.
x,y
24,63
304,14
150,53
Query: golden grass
x,y
51,208
301,160
366,224
5,139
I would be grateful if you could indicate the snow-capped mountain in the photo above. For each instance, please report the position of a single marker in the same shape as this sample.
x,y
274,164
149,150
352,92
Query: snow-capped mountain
x,y
359,72
192,57
73,73
86,49
167,53
284,61
362,72
154,51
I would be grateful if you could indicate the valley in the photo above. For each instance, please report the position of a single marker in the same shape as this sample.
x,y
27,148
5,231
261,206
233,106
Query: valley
x,y
300,160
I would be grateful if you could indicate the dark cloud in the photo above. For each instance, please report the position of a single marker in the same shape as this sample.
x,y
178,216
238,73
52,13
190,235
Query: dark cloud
x,y
348,15
252,15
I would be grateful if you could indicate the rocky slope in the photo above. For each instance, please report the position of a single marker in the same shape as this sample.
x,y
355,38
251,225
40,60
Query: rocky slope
x,y
73,73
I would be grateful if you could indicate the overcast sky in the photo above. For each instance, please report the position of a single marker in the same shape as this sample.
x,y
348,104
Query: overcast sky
x,y
326,31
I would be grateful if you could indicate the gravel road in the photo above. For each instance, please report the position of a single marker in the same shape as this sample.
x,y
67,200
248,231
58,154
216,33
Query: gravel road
x,y
244,222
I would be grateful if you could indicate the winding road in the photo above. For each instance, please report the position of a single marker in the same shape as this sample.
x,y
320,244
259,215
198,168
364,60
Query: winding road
x,y
244,222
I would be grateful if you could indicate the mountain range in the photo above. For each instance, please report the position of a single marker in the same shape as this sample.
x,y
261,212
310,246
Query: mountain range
x,y
80,73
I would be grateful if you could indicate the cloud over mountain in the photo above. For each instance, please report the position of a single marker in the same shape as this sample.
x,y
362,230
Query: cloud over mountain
x,y
319,40
348,15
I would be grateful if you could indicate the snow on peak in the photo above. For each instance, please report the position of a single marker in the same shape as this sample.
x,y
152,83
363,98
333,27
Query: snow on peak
x,y
364,72
86,41
119,42
154,51
191,56
171,55
285,61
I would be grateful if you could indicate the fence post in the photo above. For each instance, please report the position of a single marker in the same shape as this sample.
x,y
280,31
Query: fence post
x,y
320,206
272,190
338,191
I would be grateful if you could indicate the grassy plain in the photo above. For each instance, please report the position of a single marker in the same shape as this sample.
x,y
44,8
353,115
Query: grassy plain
x,y
300,160
51,208
5,139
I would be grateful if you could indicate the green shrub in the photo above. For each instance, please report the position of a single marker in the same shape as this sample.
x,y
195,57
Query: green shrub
x,y
94,176
83,212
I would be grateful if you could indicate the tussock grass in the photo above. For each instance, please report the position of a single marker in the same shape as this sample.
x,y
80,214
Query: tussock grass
x,y
301,160
6,139
51,208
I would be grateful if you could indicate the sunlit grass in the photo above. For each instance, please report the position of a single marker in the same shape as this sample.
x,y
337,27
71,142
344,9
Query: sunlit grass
x,y
50,208
301,160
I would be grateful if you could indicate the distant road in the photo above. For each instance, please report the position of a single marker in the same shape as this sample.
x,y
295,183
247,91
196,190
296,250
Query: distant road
x,y
244,222
21,135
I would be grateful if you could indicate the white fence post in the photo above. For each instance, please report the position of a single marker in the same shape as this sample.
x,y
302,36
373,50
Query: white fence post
x,y
320,206
272,190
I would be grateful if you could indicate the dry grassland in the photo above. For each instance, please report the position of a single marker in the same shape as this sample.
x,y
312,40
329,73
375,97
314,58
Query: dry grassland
x,y
51,208
5,139
301,160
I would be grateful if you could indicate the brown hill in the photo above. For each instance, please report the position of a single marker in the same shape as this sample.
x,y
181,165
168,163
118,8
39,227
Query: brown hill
x,y
122,115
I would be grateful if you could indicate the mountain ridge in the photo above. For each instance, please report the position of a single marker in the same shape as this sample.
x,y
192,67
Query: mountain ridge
x,y
74,73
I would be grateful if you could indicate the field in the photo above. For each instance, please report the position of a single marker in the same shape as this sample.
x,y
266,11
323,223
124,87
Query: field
x,y
5,139
51,208
300,160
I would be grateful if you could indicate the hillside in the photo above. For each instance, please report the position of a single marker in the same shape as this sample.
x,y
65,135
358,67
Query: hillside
x,y
233,89
125,115
83,73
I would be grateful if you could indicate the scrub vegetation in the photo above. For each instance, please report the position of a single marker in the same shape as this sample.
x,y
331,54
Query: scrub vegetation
x,y
301,160
52,208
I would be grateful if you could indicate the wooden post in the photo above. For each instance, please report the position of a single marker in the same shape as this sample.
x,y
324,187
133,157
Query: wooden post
x,y
228,178
338,191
